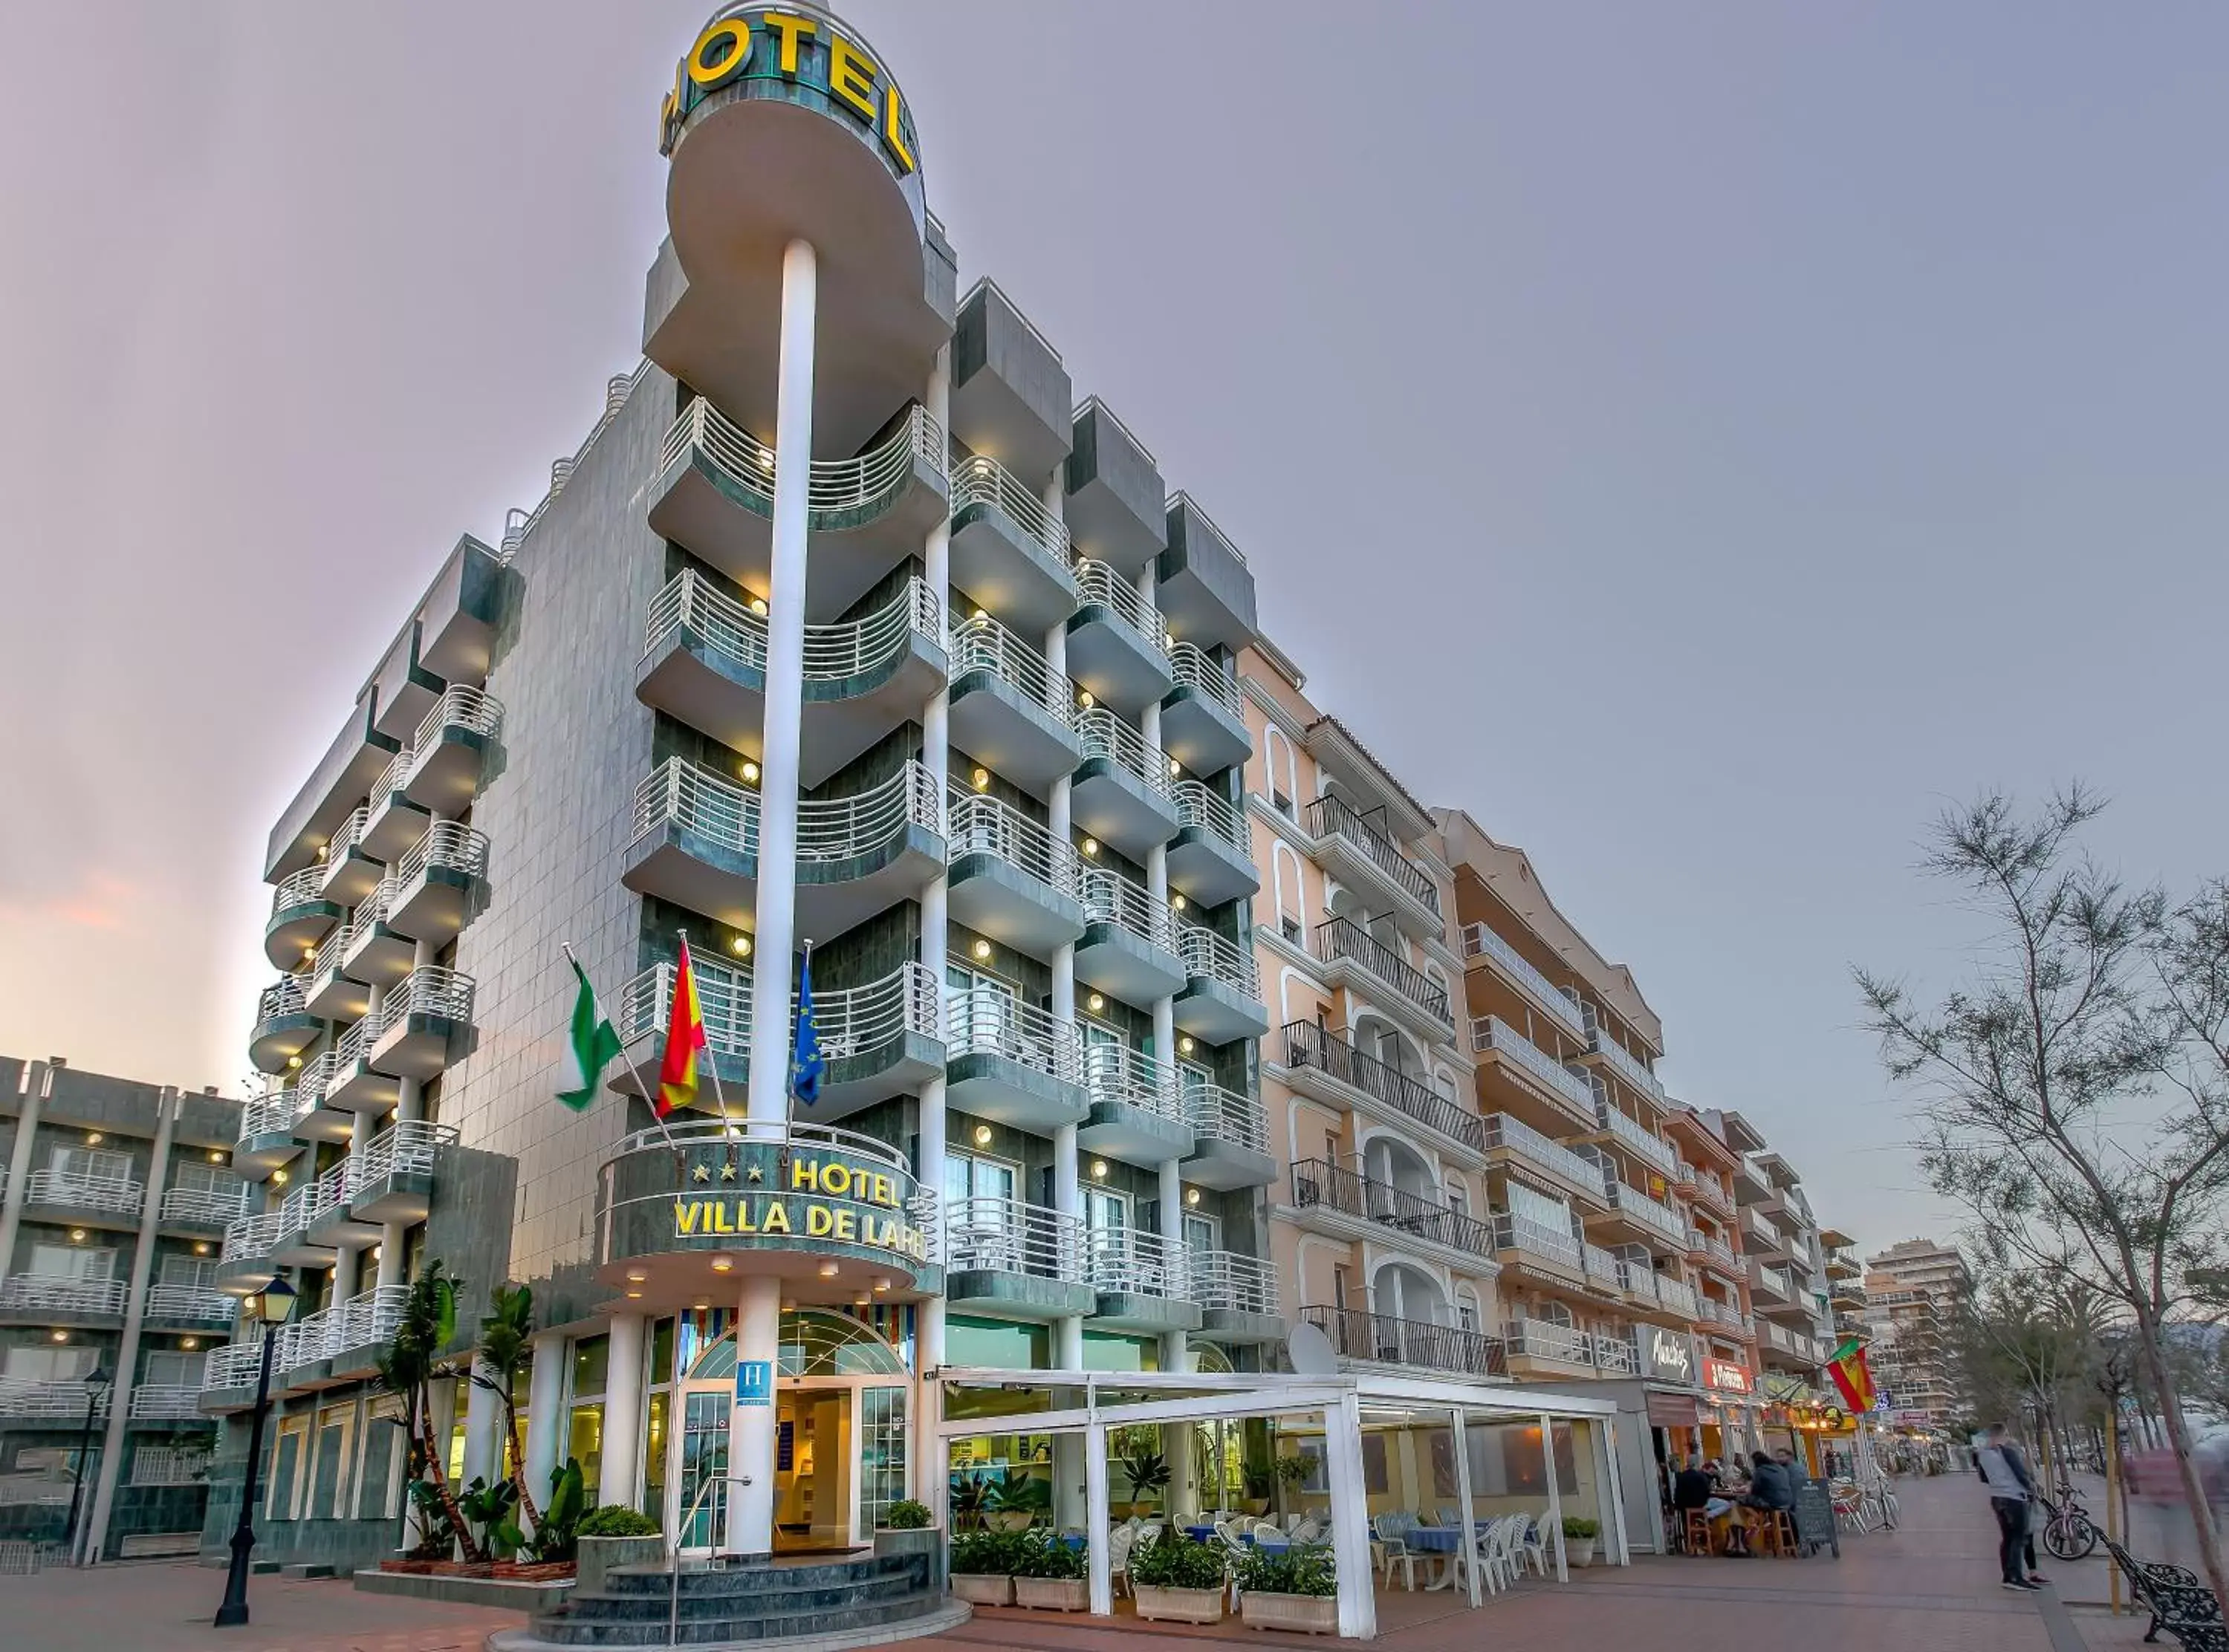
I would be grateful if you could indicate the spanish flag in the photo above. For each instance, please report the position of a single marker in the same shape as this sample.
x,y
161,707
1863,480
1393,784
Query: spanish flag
x,y
1853,1376
684,1036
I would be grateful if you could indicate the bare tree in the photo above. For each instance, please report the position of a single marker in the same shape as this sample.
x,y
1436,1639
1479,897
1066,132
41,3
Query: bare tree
x,y
2075,1091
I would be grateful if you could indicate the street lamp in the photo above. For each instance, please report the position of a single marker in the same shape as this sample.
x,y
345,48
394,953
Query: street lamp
x,y
93,1385
270,1307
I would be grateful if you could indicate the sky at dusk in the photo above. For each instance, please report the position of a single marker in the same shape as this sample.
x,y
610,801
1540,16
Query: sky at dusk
x,y
1699,441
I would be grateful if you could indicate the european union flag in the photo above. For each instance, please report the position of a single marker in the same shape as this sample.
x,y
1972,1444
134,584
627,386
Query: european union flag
x,y
805,1065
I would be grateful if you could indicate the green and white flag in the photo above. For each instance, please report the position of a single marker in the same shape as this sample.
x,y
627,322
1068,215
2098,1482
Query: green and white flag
x,y
594,1042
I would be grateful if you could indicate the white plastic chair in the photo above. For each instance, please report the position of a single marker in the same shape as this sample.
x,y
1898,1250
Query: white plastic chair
x,y
1149,1532
1307,1531
1119,1542
1530,1547
1393,1547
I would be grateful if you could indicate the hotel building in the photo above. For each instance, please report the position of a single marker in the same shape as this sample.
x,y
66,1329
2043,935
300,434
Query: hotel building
x,y
1911,1298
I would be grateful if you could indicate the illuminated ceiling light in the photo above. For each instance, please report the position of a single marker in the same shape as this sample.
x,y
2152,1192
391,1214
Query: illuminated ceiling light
x,y
59,1337
702,1304
1098,1001
979,617
292,1062
881,1285
1098,1169
636,1276
190,1343
1177,901
216,1156
741,946
201,1248
721,1263
828,1270
309,957
982,949
789,1304
982,1135
1185,1044
633,1294
1085,700
1191,1196
759,606
750,773
321,850
92,1138
982,778
278,1176
376,1250
1091,847
1175,767
77,1236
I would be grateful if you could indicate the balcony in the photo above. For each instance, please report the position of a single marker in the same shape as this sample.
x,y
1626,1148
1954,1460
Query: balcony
x,y
192,1307
441,770
342,1083
1010,1062
434,881
33,1399
1706,1190
266,1135
330,992
1537,1348
1609,1052
880,1040
1137,1114
1322,1065
696,843
1637,1139
1129,947
1143,1281
1770,1283
1507,962
1537,1247
1222,999
1767,1236
703,662
1009,878
1011,711
1381,1339
36,1299
1848,1294
1008,552
1354,958
368,949
337,1343
1677,1297
1238,1297
1117,503
1651,1220
392,821
714,493
346,870
1230,1140
1714,1251
1573,1174
1353,851
201,1209
228,1376
1603,1270
1841,1263
418,1024
300,918
167,1402
1203,722
1319,1186
1117,646
1122,794
1536,1072
284,1025
1204,587
392,1180
1211,860
68,1196
1010,393
1017,1260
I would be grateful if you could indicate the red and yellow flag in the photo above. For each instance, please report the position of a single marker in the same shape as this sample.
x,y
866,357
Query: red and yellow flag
x,y
1853,1376
684,1036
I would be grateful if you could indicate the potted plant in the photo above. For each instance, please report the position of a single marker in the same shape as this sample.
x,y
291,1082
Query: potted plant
x,y
983,1567
1260,1479
1297,1590
1579,1535
969,1494
1176,1580
1015,1499
1148,1474
1050,1575
907,1515
610,1537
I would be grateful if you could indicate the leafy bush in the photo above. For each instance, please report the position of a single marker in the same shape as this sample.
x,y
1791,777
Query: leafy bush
x,y
1295,1469
1040,1554
907,1515
1304,1569
983,1554
555,1537
1018,1492
616,1520
1173,1561
1579,1526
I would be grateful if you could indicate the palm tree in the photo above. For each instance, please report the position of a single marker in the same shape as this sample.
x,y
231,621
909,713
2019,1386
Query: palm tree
x,y
408,1369
506,1352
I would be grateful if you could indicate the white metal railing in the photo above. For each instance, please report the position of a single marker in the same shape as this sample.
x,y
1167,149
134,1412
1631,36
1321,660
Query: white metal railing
x,y
369,1317
1491,1033
1541,1340
835,486
1772,1279
1602,1268
1131,1260
371,910
446,844
1715,1248
405,1148
1623,1064
285,997
982,481
1762,1228
474,710
1615,1353
724,1001
430,989
1225,1116
302,1342
236,1365
1676,1294
39,1397
984,825
1540,1151
37,1290
1657,1217
846,649
691,600
197,1303
1480,942
1523,1234
1236,1284
250,1238
1198,806
1704,1187
1105,735
1635,1276
837,828
981,644
1011,1236
392,779
1653,1148
298,889
120,1195
165,1400
270,1114
206,1204
1116,1072
849,1021
1217,957
708,804
1096,582
1110,897
518,524
1194,668
987,1020
345,837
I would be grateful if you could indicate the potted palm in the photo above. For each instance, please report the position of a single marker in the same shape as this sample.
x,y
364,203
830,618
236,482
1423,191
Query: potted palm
x,y
1297,1590
1176,1580
1050,1575
1260,1479
1015,1499
1148,1474
983,1567
1579,1535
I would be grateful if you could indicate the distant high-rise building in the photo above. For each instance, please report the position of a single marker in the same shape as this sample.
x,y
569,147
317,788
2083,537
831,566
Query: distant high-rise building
x,y
1912,1290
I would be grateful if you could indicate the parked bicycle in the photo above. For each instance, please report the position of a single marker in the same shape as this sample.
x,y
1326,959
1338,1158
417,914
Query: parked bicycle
x,y
2068,1532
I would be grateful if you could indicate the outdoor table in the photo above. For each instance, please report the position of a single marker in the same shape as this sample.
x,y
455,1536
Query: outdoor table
x,y
1200,1533
1437,1540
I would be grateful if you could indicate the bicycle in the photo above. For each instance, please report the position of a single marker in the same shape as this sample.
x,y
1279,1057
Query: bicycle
x,y
2068,1532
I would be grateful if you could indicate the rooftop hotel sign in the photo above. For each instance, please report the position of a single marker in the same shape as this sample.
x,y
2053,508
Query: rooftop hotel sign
x,y
793,56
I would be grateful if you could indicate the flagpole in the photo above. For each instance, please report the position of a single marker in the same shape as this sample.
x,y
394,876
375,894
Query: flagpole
x,y
712,1060
648,1094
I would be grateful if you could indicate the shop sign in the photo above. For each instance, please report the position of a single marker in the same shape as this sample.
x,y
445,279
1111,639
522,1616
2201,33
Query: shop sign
x,y
1725,1373
822,1196
813,52
1667,1354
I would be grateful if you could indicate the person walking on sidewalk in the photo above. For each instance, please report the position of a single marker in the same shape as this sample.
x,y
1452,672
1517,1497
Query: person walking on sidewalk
x,y
2012,1496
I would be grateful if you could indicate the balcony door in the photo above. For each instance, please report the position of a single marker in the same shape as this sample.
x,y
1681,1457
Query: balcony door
x,y
979,1198
983,1015
1102,1059
1106,1241
74,1263
92,1164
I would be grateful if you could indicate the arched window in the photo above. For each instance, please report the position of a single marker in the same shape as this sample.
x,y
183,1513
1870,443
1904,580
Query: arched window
x,y
814,1343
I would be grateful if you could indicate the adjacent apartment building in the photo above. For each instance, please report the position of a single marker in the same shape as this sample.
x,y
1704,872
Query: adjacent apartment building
x,y
1913,1291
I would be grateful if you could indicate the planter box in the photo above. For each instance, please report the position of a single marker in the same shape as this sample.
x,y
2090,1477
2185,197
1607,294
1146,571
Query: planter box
x,y
1178,1605
1579,1551
1308,1614
497,1570
601,1556
1054,1594
979,1589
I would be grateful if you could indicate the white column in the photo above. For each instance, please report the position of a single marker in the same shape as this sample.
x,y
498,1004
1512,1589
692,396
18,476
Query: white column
x,y
1463,1498
621,1477
545,1401
1095,1509
1172,1207
135,1313
483,1430
1555,1499
936,758
1350,1518
750,1428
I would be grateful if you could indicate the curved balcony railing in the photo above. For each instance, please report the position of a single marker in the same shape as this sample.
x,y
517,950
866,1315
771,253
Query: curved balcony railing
x,y
1105,735
1541,1151
282,997
983,825
1332,815
298,889
346,835
197,1303
1194,668
430,989
837,487
837,828
1198,806
1626,1066
1479,941
979,480
405,1148
235,1365
474,710
119,1195
848,1021
372,910
990,1021
1637,1139
834,652
1110,897
1116,1072
1217,957
981,644
1491,1033
1234,1283
724,1001
1343,940
1385,1339
1096,582
1515,1233
1307,1045
1319,1183
23,1291
1225,1116
1011,1236
699,801
269,1114
1135,1262
445,844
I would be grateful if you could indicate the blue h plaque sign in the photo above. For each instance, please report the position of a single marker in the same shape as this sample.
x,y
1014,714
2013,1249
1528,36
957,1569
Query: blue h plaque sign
x,y
754,1382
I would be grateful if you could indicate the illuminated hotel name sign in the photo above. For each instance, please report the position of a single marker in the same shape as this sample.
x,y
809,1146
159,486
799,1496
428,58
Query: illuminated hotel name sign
x,y
825,1198
785,51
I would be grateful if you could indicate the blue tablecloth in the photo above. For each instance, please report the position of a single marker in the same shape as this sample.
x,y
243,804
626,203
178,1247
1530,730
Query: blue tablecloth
x,y
1432,1539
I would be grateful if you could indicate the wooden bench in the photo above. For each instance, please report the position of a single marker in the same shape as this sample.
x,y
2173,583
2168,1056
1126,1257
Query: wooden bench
x,y
2177,1601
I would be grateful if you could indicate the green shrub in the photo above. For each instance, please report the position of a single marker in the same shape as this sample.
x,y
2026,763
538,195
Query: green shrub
x,y
1040,1553
907,1515
983,1554
1174,1561
1301,1569
616,1520
1579,1526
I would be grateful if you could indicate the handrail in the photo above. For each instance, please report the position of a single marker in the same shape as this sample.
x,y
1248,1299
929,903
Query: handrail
x,y
1654,1149
430,989
1651,1213
1110,897
1319,1181
372,910
447,844
165,1400
1133,1260
981,824
1538,1339
1098,583
1762,1226
1514,1232
836,829
22,1290
1342,939
298,888
74,1187
723,1002
1676,1294
833,652
981,480
345,837
518,524
981,644
1116,1072
285,996
1773,1280
849,1020
1012,1236
59,1398
204,1204
233,1366
1237,1283
405,1148
474,710
1386,1338
699,801
1622,1063
1330,814
1194,668
1491,1033
681,1131
1602,1267
1479,941
1217,957
1198,806
833,486
1543,1150
1105,735
204,1303
1226,1116
1307,1044
985,1020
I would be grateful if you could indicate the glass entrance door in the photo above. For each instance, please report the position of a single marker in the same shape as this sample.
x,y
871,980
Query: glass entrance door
x,y
814,1500
703,1457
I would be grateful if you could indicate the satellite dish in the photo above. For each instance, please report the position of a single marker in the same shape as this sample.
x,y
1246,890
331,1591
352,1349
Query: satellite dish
x,y
1309,1350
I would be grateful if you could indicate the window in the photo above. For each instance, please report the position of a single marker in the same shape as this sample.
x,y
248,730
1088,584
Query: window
x,y
377,1483
328,1478
193,1273
1104,1210
93,1163
1458,1199
1467,1314
1280,803
1202,1232
173,1368
207,1179
72,1261
31,1363
1292,930
979,1200
286,1460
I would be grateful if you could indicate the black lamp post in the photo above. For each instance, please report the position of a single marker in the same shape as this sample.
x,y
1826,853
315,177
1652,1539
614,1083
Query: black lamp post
x,y
270,1307
93,1385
